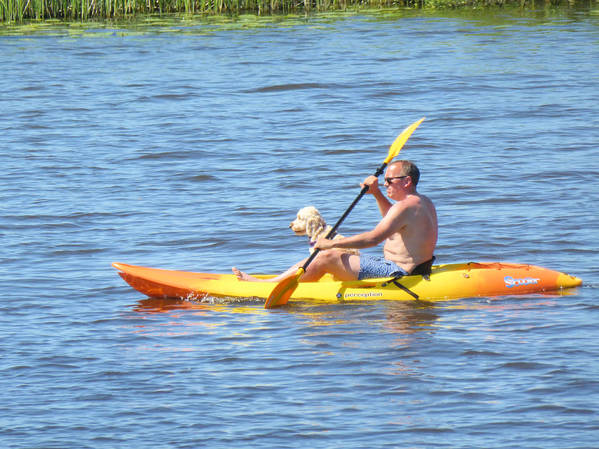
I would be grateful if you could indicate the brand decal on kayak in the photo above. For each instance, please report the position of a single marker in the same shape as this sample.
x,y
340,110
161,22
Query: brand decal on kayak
x,y
515,282
362,295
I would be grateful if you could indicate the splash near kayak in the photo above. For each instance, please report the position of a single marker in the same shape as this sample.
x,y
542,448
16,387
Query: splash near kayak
x,y
446,282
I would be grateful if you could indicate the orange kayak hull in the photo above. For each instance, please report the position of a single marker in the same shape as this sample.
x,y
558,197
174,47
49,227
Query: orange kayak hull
x,y
449,281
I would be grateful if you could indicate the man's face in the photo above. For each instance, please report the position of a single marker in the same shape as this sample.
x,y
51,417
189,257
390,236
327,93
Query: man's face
x,y
396,183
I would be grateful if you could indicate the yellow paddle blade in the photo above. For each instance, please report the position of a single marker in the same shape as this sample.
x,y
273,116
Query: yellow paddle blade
x,y
283,290
399,142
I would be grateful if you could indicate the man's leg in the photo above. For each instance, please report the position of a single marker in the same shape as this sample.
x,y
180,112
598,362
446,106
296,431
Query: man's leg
x,y
243,276
343,266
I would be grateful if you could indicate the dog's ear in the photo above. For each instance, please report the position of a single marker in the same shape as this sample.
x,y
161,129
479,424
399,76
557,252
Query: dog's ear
x,y
314,225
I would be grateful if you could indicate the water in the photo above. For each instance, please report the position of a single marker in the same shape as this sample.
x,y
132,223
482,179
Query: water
x,y
191,145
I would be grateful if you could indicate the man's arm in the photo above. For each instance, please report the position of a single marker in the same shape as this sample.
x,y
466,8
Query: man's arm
x,y
381,200
391,223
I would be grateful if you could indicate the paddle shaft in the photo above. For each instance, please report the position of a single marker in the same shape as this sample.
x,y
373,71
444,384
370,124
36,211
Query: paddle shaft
x,y
284,289
344,216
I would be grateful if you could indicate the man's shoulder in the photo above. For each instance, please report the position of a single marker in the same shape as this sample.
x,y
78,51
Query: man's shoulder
x,y
413,199
411,203
417,199
403,207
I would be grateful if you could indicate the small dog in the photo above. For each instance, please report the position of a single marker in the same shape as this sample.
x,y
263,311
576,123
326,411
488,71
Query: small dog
x,y
309,222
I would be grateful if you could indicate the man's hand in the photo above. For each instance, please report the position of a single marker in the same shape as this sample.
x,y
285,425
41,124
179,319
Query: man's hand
x,y
373,184
324,243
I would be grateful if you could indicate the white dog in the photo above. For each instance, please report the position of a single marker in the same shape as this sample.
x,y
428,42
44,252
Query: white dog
x,y
309,222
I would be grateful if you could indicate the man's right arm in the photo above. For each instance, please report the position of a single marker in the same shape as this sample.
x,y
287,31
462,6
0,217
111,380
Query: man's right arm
x,y
381,200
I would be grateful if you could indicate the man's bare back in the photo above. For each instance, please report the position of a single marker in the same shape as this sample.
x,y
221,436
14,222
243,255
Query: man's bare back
x,y
414,241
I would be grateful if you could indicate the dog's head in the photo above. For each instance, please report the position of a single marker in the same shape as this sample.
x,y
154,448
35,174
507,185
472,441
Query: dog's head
x,y
308,222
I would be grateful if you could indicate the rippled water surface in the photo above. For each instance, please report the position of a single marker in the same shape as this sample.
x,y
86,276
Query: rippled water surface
x,y
191,145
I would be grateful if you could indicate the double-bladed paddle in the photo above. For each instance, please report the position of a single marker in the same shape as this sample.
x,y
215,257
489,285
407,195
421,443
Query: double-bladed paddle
x,y
284,289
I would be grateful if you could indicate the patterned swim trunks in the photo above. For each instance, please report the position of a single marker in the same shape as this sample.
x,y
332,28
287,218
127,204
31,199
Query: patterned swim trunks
x,y
378,267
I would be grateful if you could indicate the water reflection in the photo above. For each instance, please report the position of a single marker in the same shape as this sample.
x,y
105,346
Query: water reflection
x,y
407,318
168,305
404,318
502,303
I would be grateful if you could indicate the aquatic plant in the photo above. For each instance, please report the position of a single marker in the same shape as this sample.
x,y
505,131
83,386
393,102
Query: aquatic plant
x,y
20,10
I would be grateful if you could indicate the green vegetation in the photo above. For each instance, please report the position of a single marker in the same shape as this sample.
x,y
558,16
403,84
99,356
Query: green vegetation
x,y
21,10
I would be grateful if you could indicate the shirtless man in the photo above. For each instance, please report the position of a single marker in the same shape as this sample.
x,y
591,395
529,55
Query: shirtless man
x,y
408,227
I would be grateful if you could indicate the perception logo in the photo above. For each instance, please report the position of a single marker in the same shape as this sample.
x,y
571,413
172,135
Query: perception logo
x,y
362,295
515,282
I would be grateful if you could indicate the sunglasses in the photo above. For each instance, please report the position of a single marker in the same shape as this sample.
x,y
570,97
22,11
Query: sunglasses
x,y
390,180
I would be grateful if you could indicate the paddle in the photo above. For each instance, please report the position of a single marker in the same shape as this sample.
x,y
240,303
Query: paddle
x,y
284,289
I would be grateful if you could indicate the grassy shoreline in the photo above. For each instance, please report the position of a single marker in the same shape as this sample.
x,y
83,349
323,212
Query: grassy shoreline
x,y
12,11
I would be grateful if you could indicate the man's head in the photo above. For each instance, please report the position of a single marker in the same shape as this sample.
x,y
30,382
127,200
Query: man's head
x,y
402,175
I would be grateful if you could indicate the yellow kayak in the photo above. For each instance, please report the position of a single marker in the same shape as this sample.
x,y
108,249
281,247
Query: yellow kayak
x,y
449,281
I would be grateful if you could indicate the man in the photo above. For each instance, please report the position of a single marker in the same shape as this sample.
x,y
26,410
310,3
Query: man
x,y
408,227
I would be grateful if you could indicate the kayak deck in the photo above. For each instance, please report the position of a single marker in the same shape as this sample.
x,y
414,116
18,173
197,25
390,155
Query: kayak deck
x,y
448,281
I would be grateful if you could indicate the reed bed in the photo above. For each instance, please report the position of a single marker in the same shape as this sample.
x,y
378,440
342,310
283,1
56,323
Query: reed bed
x,y
20,10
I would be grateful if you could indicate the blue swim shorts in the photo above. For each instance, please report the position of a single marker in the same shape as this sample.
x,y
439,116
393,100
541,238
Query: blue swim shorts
x,y
378,267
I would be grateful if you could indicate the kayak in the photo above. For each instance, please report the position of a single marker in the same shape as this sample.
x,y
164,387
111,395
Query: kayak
x,y
448,281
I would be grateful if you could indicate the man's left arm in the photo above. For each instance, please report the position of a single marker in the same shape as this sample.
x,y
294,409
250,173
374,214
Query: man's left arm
x,y
391,223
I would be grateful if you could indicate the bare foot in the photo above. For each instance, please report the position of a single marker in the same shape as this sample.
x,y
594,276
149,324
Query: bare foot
x,y
243,276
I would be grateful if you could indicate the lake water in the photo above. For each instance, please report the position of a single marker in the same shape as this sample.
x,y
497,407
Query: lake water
x,y
191,145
